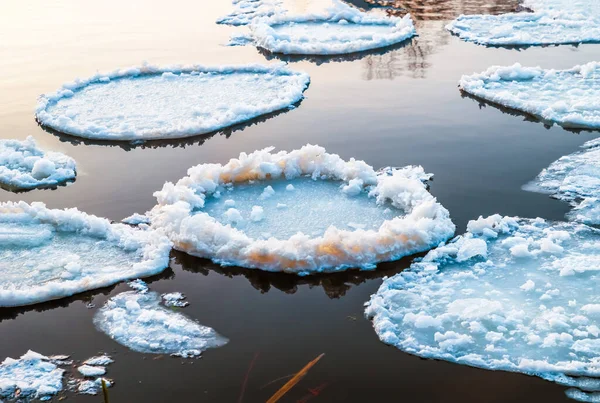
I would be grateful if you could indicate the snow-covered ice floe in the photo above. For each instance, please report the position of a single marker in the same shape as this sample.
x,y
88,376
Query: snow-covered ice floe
x,y
511,294
149,102
570,97
33,376
47,254
552,22
247,10
575,179
23,166
301,212
339,29
139,322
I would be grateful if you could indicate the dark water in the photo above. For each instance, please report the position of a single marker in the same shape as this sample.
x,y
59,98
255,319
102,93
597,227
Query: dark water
x,y
397,107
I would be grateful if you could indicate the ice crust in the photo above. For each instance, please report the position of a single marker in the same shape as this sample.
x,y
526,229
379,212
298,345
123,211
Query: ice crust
x,y
575,179
570,97
149,102
47,254
420,223
23,166
33,376
553,22
247,10
511,294
139,322
338,30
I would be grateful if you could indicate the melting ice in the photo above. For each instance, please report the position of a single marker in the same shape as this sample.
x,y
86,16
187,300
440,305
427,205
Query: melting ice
x,y
33,376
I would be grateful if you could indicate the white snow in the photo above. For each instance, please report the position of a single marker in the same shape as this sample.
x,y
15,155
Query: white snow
x,y
149,102
89,387
246,10
552,22
570,97
136,219
33,376
310,234
575,179
23,165
91,370
498,311
339,29
48,254
139,322
100,360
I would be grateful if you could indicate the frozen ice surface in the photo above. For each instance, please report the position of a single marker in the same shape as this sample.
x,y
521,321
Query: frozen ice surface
x,y
338,30
25,166
522,298
175,299
48,254
33,376
101,360
552,23
570,98
91,370
139,322
575,179
149,102
263,229
247,10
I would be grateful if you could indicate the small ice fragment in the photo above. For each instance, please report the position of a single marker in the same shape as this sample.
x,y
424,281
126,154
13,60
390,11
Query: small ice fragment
x,y
91,370
268,192
175,299
33,376
289,187
229,203
138,285
257,214
101,360
136,219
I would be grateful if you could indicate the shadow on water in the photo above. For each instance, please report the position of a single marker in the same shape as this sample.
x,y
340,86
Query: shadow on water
x,y
16,189
335,285
527,117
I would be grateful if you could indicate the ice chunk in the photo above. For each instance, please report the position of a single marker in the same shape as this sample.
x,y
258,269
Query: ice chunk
x,y
340,29
247,10
91,370
175,299
33,376
158,103
48,254
25,166
89,387
140,323
570,98
487,312
575,179
552,22
400,215
101,360
136,219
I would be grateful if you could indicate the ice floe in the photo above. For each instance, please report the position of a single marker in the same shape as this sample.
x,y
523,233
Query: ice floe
x,y
47,254
175,299
139,322
271,225
23,166
247,10
552,22
33,376
570,97
339,29
149,102
575,179
511,294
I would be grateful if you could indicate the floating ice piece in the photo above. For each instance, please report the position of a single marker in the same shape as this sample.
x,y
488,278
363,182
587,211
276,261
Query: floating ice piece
x,y
33,376
409,219
149,102
138,322
570,98
575,179
552,23
91,370
247,10
101,360
48,254
536,314
25,166
175,299
338,30
138,285
89,387
136,219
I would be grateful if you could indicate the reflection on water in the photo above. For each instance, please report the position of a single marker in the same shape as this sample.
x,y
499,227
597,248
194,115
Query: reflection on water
x,y
335,285
427,10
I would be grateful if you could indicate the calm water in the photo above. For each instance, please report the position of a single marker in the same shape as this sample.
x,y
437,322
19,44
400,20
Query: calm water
x,y
395,108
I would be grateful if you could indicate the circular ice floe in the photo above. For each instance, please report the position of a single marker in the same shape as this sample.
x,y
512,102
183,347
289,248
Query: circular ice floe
x,y
271,211
340,29
511,294
48,254
149,102
139,322
33,376
570,98
24,166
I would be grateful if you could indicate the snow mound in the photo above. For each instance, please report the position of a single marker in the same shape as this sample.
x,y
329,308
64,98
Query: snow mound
x,y
149,102
247,10
340,29
25,166
575,179
552,23
417,222
49,254
33,376
511,294
570,98
139,322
